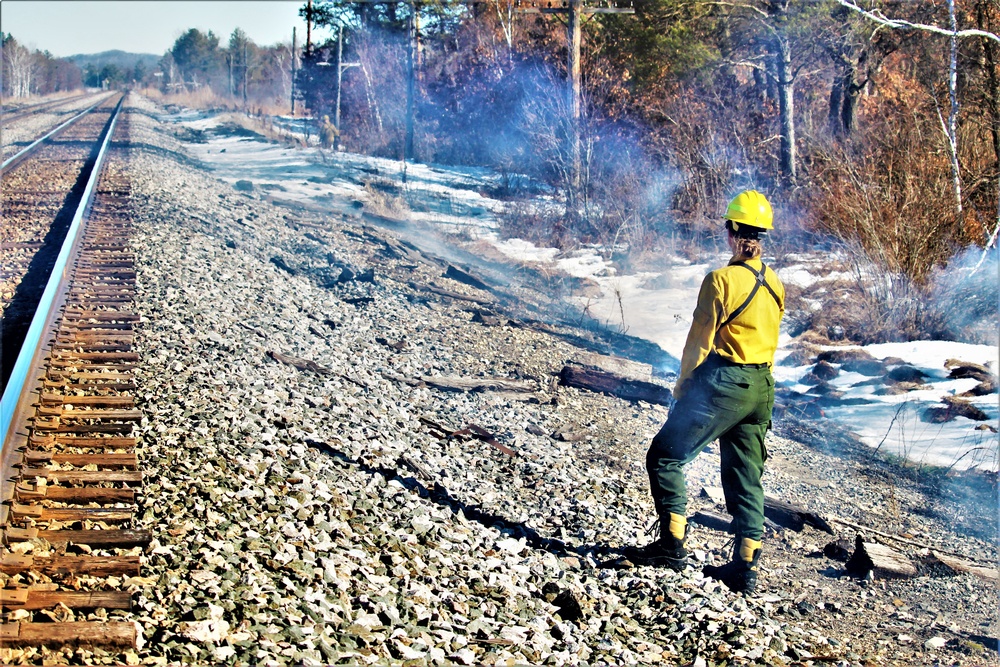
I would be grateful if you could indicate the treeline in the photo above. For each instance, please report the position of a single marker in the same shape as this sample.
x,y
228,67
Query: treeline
x,y
843,121
881,136
27,72
253,75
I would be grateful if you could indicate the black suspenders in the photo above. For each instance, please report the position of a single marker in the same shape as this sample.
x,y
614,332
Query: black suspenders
x,y
760,281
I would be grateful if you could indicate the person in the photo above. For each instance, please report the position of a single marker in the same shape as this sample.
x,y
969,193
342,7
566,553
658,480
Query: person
x,y
328,133
725,391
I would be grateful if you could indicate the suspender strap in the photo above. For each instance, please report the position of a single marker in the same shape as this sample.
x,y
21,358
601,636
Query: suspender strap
x,y
760,281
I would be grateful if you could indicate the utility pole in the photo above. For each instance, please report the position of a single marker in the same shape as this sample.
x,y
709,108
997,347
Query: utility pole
x,y
246,68
294,48
575,12
309,17
574,33
341,66
413,28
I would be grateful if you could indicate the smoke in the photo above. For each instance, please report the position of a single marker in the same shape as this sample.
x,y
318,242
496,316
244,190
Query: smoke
x,y
964,297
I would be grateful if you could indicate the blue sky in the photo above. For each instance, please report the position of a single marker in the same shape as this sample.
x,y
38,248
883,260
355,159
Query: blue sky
x,y
65,28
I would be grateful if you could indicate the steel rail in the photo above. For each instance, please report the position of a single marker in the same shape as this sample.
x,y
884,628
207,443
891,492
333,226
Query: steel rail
x,y
8,115
46,311
13,160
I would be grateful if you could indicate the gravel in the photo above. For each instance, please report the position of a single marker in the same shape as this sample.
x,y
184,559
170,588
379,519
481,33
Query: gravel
x,y
315,515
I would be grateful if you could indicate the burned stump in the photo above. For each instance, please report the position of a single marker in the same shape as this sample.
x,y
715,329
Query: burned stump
x,y
880,561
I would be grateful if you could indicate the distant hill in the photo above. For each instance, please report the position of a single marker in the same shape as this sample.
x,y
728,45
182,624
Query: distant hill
x,y
121,59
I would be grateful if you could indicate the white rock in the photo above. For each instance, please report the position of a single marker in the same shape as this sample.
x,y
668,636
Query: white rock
x,y
512,546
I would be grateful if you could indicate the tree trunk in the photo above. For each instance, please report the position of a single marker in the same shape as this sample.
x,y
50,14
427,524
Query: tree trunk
x,y
786,108
992,89
835,110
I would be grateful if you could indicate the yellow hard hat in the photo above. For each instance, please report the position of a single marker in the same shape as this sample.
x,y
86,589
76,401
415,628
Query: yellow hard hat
x,y
752,209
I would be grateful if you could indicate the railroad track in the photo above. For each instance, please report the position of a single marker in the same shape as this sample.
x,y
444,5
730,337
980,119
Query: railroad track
x,y
23,128
40,187
11,114
70,470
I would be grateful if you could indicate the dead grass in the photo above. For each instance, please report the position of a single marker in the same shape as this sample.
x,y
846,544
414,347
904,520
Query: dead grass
x,y
384,198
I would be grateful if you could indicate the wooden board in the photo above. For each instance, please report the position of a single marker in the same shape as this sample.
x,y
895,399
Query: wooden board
x,y
80,633
37,600
85,476
123,539
62,566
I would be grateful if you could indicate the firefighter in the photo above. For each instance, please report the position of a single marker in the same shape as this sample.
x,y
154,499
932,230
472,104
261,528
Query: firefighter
x,y
725,391
328,133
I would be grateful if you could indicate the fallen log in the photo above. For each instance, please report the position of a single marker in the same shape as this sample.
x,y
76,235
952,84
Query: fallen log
x,y
880,561
309,365
792,516
465,278
300,363
442,432
457,383
724,522
614,385
897,538
448,293
713,520
960,566
626,368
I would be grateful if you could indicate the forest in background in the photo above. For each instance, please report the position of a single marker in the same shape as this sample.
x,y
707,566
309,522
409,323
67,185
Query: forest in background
x,y
882,138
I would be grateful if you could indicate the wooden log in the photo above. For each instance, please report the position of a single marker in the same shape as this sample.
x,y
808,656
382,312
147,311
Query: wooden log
x,y
626,368
614,385
959,566
896,538
64,566
793,516
880,561
457,383
78,633
448,293
713,520
298,362
488,319
465,278
482,434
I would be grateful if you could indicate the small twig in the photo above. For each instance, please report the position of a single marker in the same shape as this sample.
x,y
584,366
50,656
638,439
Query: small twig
x,y
889,430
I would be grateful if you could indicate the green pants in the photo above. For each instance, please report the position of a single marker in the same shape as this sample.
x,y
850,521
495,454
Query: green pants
x,y
728,402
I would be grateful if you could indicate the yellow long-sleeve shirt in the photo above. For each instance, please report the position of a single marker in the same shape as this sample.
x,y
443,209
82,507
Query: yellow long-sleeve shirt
x,y
751,338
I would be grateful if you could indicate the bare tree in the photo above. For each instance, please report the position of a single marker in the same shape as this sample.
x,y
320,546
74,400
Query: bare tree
x,y
18,68
953,33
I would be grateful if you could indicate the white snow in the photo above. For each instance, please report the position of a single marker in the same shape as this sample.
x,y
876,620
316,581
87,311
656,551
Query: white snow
x,y
653,306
